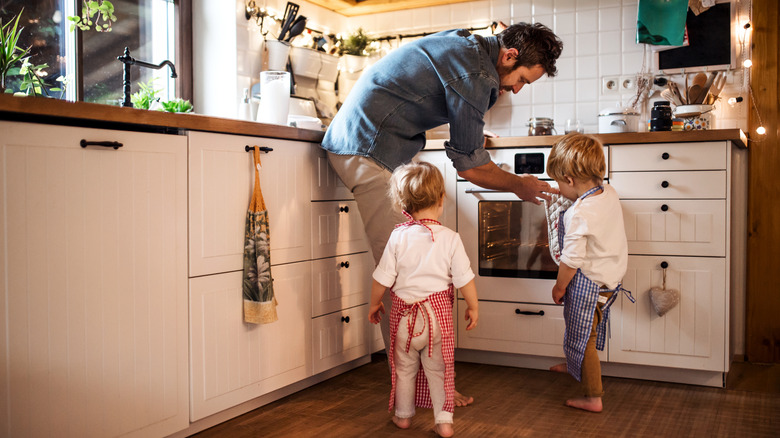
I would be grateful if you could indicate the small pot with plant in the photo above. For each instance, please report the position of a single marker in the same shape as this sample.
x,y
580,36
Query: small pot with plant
x,y
355,48
15,62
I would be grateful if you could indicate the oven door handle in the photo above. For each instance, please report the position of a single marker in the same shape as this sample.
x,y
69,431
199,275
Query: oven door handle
x,y
525,312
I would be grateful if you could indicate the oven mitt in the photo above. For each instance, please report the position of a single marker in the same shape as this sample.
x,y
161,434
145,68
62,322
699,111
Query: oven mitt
x,y
664,300
552,210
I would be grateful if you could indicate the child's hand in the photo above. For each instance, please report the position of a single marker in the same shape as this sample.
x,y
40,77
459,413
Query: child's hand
x,y
375,313
557,294
472,315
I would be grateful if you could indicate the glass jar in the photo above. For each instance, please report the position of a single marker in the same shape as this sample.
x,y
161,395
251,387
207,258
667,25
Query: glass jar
x,y
661,116
541,126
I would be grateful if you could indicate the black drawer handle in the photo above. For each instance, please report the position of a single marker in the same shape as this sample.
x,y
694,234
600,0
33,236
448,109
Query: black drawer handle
x,y
524,312
345,319
344,264
665,184
664,265
664,207
265,149
107,144
665,155
344,209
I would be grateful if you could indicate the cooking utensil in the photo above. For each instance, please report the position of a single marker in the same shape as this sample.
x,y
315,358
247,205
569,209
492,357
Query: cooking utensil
x,y
669,95
290,12
707,85
696,91
296,28
717,87
687,101
676,91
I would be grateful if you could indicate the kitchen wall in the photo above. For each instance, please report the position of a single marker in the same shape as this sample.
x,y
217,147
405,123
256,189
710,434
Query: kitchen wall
x,y
598,38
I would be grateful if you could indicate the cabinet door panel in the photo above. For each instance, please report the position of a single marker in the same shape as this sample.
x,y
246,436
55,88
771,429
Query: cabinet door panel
x,y
339,338
341,282
685,227
680,185
326,184
232,361
337,229
669,156
692,334
93,274
221,181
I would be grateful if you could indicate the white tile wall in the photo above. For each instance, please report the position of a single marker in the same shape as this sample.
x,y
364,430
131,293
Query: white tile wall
x,y
598,35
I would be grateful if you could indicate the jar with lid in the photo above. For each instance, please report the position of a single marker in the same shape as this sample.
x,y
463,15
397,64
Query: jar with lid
x,y
661,116
541,126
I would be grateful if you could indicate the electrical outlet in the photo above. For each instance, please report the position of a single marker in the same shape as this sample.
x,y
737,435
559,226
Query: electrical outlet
x,y
610,85
627,84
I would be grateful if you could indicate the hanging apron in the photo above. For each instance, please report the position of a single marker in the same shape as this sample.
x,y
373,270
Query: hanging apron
x,y
258,291
441,304
579,308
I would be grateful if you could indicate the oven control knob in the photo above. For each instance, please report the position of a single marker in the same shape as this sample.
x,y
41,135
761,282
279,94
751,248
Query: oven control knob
x,y
504,166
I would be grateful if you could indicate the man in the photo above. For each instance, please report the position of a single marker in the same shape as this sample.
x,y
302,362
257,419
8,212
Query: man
x,y
449,77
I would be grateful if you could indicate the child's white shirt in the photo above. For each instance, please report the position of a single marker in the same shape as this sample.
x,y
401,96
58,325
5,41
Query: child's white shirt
x,y
416,266
595,239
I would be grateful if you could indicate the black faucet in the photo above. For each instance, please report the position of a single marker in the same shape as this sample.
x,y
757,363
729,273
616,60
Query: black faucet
x,y
128,60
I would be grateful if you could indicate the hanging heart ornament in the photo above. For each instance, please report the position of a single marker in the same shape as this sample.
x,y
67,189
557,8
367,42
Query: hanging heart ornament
x,y
664,299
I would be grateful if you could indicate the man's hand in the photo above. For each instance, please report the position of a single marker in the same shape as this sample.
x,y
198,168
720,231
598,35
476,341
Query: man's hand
x,y
531,189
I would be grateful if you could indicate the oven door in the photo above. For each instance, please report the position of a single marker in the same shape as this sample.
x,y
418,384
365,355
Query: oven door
x,y
506,241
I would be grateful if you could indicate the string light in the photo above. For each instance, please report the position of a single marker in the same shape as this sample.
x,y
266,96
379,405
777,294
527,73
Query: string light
x,y
747,63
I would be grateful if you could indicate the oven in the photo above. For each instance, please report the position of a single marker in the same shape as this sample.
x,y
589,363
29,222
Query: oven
x,y
505,237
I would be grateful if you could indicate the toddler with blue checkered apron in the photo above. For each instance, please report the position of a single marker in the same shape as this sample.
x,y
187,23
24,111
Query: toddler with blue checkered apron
x,y
593,260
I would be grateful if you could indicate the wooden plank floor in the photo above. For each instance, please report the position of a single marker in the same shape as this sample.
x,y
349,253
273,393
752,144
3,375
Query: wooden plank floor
x,y
517,402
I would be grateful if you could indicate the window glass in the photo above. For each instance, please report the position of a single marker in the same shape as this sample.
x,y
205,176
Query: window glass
x,y
145,27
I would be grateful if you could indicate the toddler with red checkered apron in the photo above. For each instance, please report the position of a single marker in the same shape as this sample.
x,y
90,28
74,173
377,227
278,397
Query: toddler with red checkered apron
x,y
421,263
593,259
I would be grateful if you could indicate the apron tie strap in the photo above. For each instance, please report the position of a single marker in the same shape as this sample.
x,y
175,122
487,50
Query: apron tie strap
x,y
421,222
414,310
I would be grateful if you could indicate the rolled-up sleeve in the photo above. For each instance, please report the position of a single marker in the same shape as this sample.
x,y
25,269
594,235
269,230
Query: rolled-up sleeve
x,y
386,271
465,147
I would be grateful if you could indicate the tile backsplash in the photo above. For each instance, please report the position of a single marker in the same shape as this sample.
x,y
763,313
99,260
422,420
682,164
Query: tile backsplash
x,y
598,36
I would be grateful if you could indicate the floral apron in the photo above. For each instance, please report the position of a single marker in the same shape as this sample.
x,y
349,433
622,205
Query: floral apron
x,y
579,308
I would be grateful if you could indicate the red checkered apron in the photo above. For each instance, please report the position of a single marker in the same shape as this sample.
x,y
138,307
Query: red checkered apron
x,y
441,303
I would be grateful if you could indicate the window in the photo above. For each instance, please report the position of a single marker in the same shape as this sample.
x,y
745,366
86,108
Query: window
x,y
88,59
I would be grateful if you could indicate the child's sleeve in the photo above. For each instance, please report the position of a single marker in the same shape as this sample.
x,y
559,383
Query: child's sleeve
x,y
575,241
386,272
460,268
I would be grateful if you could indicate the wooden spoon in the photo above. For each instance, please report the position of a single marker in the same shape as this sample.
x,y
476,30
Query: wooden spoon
x,y
695,93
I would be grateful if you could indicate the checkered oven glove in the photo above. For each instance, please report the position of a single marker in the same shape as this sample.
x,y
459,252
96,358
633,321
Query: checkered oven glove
x,y
552,210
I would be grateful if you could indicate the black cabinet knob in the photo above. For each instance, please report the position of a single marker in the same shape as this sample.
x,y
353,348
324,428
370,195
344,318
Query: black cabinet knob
x,y
664,207
664,265
665,184
665,155
345,319
344,264
344,209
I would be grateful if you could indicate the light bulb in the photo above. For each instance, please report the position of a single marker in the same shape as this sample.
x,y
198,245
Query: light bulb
x,y
760,130
748,63
734,100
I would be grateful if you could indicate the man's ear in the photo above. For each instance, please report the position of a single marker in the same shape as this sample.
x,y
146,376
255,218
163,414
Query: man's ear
x,y
510,55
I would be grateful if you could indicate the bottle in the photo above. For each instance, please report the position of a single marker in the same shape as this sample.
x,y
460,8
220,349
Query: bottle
x,y
661,116
245,107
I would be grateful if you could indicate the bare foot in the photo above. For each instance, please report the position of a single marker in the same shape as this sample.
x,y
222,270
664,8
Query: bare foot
x,y
462,400
402,423
590,404
560,368
445,429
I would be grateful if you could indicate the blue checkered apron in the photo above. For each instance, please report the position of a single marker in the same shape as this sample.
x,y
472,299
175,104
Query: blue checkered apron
x,y
579,308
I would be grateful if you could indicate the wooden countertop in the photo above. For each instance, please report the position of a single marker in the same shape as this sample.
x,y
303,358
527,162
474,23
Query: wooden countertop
x,y
735,135
39,109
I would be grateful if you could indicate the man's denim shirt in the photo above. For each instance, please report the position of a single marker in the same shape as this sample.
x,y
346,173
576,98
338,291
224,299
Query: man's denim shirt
x,y
448,77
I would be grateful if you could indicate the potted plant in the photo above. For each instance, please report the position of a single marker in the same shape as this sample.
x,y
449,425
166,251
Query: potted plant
x,y
11,54
15,61
355,48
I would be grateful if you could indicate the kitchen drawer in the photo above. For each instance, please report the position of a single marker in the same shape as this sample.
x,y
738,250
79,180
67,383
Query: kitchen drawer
x,y
669,156
502,328
325,183
707,184
339,337
336,229
676,227
341,282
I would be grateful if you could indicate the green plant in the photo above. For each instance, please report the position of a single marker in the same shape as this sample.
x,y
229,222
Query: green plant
x,y
177,105
146,96
32,82
356,43
92,12
10,53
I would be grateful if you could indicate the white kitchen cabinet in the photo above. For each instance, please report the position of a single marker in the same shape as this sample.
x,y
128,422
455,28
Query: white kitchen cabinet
x,y
676,200
233,362
221,176
93,270
339,338
692,334
326,184
341,282
336,229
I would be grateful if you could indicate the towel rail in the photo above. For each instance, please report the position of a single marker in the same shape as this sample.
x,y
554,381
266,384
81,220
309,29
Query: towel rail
x,y
262,149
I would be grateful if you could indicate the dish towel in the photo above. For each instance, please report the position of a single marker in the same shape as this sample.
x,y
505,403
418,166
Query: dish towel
x,y
552,210
661,22
259,299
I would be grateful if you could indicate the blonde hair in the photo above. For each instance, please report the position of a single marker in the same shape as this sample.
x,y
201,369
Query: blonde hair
x,y
578,156
416,186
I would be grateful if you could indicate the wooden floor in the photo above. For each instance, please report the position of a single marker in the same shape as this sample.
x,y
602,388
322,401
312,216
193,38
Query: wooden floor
x,y
517,402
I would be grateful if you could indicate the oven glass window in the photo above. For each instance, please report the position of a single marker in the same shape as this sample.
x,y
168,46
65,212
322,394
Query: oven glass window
x,y
513,241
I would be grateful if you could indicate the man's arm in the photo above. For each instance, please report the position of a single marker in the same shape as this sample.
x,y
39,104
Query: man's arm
x,y
526,187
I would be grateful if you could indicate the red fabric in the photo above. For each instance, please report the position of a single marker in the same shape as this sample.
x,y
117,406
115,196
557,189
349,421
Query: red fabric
x,y
441,303
421,222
